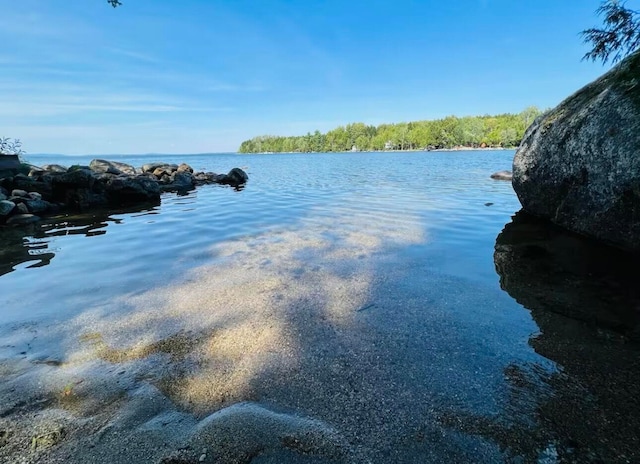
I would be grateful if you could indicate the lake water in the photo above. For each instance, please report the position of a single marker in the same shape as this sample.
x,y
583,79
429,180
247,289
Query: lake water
x,y
360,289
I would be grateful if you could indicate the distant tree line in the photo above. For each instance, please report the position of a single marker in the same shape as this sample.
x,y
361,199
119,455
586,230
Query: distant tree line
x,y
505,130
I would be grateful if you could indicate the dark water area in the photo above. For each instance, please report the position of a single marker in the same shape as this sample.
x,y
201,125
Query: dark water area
x,y
451,328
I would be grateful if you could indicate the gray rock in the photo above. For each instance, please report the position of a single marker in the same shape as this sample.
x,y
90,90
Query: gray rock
x,y
37,206
77,167
19,193
126,190
112,167
579,166
30,184
237,177
54,168
21,208
35,195
3,196
19,219
184,167
502,175
165,169
205,177
177,182
150,167
126,168
84,178
182,181
6,207
36,172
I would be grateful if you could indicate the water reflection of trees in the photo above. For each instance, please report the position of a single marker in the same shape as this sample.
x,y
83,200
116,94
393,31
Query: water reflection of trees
x,y
585,298
30,244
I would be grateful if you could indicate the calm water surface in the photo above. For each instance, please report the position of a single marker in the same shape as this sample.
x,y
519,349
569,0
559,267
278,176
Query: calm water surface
x,y
90,259
469,373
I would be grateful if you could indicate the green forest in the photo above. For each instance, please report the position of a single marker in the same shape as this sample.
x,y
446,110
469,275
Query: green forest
x,y
500,131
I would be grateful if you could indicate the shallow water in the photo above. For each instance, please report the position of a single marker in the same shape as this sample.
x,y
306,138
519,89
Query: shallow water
x,y
358,289
439,195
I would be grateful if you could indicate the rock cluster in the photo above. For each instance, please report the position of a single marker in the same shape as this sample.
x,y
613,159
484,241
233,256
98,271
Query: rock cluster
x,y
102,184
579,165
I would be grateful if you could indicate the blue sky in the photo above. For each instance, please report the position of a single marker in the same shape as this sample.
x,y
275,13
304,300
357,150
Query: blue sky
x,y
193,76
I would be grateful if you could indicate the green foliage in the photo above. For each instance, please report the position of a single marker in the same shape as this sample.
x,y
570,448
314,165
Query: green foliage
x,y
620,35
10,146
505,130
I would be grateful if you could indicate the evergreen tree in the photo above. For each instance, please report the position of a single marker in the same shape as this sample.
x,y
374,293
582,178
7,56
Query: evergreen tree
x,y
620,35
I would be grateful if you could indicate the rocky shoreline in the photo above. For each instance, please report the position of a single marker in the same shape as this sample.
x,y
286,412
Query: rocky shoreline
x,y
28,193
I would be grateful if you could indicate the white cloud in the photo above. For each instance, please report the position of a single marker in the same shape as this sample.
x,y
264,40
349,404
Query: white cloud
x,y
133,54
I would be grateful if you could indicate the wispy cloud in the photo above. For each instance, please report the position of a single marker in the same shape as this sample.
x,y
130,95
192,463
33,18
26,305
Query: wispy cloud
x,y
132,54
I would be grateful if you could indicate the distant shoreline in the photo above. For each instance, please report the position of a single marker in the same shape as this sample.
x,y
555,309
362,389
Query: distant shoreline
x,y
380,151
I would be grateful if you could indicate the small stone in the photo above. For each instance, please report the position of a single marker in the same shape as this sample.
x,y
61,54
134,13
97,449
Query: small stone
x,y
35,195
158,172
202,457
165,169
6,207
19,193
19,219
21,208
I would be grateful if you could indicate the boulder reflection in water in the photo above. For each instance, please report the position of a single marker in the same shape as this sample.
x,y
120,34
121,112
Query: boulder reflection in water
x,y
547,269
584,297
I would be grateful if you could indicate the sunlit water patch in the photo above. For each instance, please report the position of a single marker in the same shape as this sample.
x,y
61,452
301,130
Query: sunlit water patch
x,y
356,289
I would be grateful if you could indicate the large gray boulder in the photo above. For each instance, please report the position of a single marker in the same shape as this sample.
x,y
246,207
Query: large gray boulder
x,y
112,167
127,190
54,168
579,164
236,178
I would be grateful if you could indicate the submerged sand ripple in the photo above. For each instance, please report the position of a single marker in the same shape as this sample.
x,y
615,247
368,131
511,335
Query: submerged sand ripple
x,y
276,319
